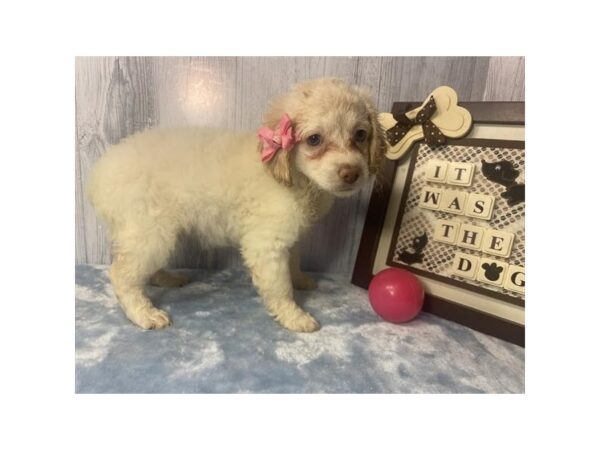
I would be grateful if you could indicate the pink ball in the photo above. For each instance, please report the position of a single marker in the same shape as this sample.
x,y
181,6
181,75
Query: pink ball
x,y
396,295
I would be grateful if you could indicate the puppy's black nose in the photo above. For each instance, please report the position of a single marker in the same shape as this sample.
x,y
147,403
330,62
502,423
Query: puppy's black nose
x,y
348,173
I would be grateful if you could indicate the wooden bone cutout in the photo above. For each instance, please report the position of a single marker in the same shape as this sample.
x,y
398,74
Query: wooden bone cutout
x,y
454,121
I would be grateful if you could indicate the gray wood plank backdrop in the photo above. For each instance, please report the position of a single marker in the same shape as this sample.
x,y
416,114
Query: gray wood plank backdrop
x,y
117,96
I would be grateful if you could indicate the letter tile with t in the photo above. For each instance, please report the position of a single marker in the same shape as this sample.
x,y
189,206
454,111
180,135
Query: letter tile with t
x,y
446,231
460,174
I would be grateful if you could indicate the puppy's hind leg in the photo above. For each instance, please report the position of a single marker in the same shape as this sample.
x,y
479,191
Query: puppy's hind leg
x,y
162,278
137,256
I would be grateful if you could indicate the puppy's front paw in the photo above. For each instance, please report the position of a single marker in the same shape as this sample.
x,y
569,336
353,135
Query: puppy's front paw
x,y
149,318
303,323
302,281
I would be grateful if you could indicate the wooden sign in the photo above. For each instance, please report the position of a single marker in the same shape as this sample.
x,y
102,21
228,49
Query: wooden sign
x,y
454,215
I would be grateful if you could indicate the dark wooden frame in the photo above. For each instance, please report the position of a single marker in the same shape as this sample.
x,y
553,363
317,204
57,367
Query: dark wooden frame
x,y
499,113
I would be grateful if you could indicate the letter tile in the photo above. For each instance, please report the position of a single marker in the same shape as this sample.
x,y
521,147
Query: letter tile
x,y
492,271
460,174
431,198
470,236
446,231
496,242
480,206
515,279
436,171
454,202
465,266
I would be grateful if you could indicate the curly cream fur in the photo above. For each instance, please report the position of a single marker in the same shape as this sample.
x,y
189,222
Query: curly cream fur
x,y
158,183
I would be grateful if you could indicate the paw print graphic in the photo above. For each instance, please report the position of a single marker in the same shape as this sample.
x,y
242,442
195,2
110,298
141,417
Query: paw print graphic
x,y
492,271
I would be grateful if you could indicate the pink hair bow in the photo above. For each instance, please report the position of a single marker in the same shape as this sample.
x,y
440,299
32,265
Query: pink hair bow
x,y
280,138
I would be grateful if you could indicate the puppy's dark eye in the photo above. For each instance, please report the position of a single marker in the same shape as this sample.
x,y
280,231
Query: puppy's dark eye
x,y
314,140
360,136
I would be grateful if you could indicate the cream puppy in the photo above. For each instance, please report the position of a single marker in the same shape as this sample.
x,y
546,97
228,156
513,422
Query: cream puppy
x,y
320,140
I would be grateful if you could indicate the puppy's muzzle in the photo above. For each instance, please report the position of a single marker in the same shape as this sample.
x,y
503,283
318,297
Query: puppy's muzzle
x,y
348,173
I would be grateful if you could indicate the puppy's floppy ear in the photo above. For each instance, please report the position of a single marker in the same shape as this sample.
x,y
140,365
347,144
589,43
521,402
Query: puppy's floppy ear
x,y
378,144
280,165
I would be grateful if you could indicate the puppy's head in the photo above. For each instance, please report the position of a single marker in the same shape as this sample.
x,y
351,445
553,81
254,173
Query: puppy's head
x,y
338,141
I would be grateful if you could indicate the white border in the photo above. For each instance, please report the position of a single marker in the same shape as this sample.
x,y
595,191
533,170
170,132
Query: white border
x,y
562,378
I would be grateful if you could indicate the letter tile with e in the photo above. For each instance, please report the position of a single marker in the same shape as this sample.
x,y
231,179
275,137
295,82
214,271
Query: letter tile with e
x,y
496,242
